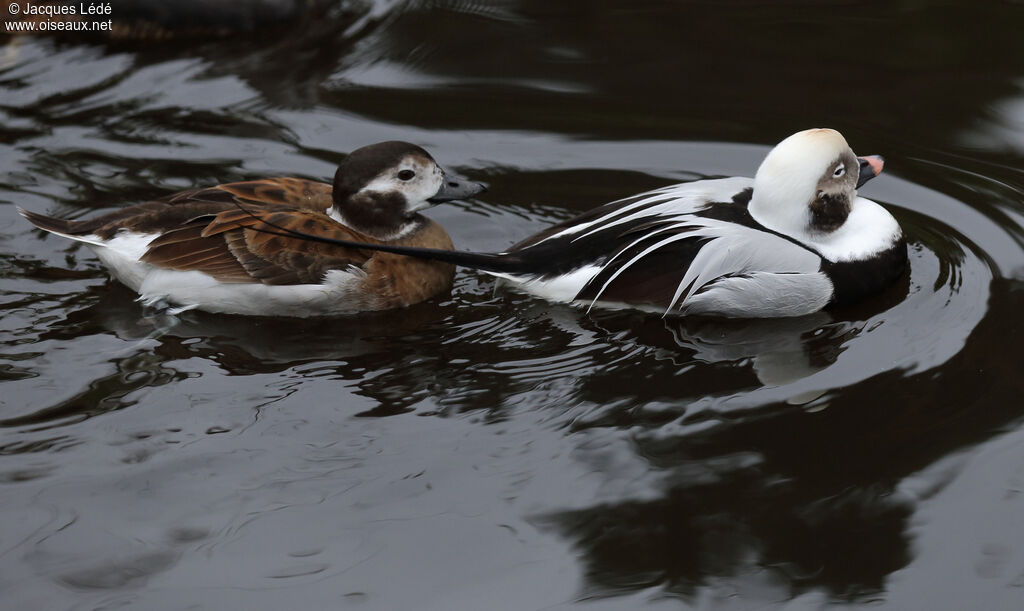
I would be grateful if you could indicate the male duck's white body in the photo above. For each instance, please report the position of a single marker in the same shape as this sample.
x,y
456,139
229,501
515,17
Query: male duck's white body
x,y
793,240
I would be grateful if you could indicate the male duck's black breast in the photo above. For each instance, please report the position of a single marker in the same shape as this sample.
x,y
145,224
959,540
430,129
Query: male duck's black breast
x,y
855,280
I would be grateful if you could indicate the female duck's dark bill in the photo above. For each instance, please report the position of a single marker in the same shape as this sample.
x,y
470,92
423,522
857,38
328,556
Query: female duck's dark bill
x,y
456,187
870,166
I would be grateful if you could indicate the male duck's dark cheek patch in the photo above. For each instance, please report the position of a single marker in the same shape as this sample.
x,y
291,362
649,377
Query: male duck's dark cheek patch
x,y
829,212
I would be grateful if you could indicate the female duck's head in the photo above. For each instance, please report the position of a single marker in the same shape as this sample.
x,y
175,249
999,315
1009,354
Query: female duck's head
x,y
379,189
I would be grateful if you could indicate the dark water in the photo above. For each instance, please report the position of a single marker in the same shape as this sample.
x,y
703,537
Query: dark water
x,y
488,450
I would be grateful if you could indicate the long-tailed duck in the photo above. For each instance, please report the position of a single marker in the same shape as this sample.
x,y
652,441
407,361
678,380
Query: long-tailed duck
x,y
197,249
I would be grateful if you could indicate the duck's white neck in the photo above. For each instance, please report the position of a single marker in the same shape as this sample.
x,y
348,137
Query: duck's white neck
x,y
772,205
869,230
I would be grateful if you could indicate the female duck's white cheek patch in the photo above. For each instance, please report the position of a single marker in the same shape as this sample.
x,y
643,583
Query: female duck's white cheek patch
x,y
424,184
428,181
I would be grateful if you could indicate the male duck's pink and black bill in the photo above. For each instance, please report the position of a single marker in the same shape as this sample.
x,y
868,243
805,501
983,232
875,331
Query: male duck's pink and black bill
x,y
870,167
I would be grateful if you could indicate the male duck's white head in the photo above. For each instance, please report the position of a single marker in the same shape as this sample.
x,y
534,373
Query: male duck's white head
x,y
806,188
378,189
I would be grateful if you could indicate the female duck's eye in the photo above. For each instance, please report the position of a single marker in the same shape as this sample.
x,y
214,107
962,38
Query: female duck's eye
x,y
839,171
406,174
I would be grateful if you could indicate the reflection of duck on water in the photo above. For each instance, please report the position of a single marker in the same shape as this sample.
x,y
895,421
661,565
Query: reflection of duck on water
x,y
829,501
779,349
167,18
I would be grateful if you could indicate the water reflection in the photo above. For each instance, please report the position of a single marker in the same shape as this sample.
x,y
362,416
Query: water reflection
x,y
819,504
845,542
102,394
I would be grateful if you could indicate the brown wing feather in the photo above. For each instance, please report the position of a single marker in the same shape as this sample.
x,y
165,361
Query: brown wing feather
x,y
179,208
186,249
290,192
227,247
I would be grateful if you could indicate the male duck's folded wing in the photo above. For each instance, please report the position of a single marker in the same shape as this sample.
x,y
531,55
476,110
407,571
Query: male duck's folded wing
x,y
696,265
235,246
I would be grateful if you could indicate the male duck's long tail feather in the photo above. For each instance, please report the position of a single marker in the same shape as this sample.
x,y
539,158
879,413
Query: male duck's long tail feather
x,y
497,263
501,263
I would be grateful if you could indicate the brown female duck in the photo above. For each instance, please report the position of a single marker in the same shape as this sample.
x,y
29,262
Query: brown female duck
x,y
197,249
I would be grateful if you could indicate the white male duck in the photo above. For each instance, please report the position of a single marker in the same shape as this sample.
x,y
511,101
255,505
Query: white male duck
x,y
791,241
198,249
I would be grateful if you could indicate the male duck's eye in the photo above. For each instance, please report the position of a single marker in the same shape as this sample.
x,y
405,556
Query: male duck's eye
x,y
839,171
406,174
